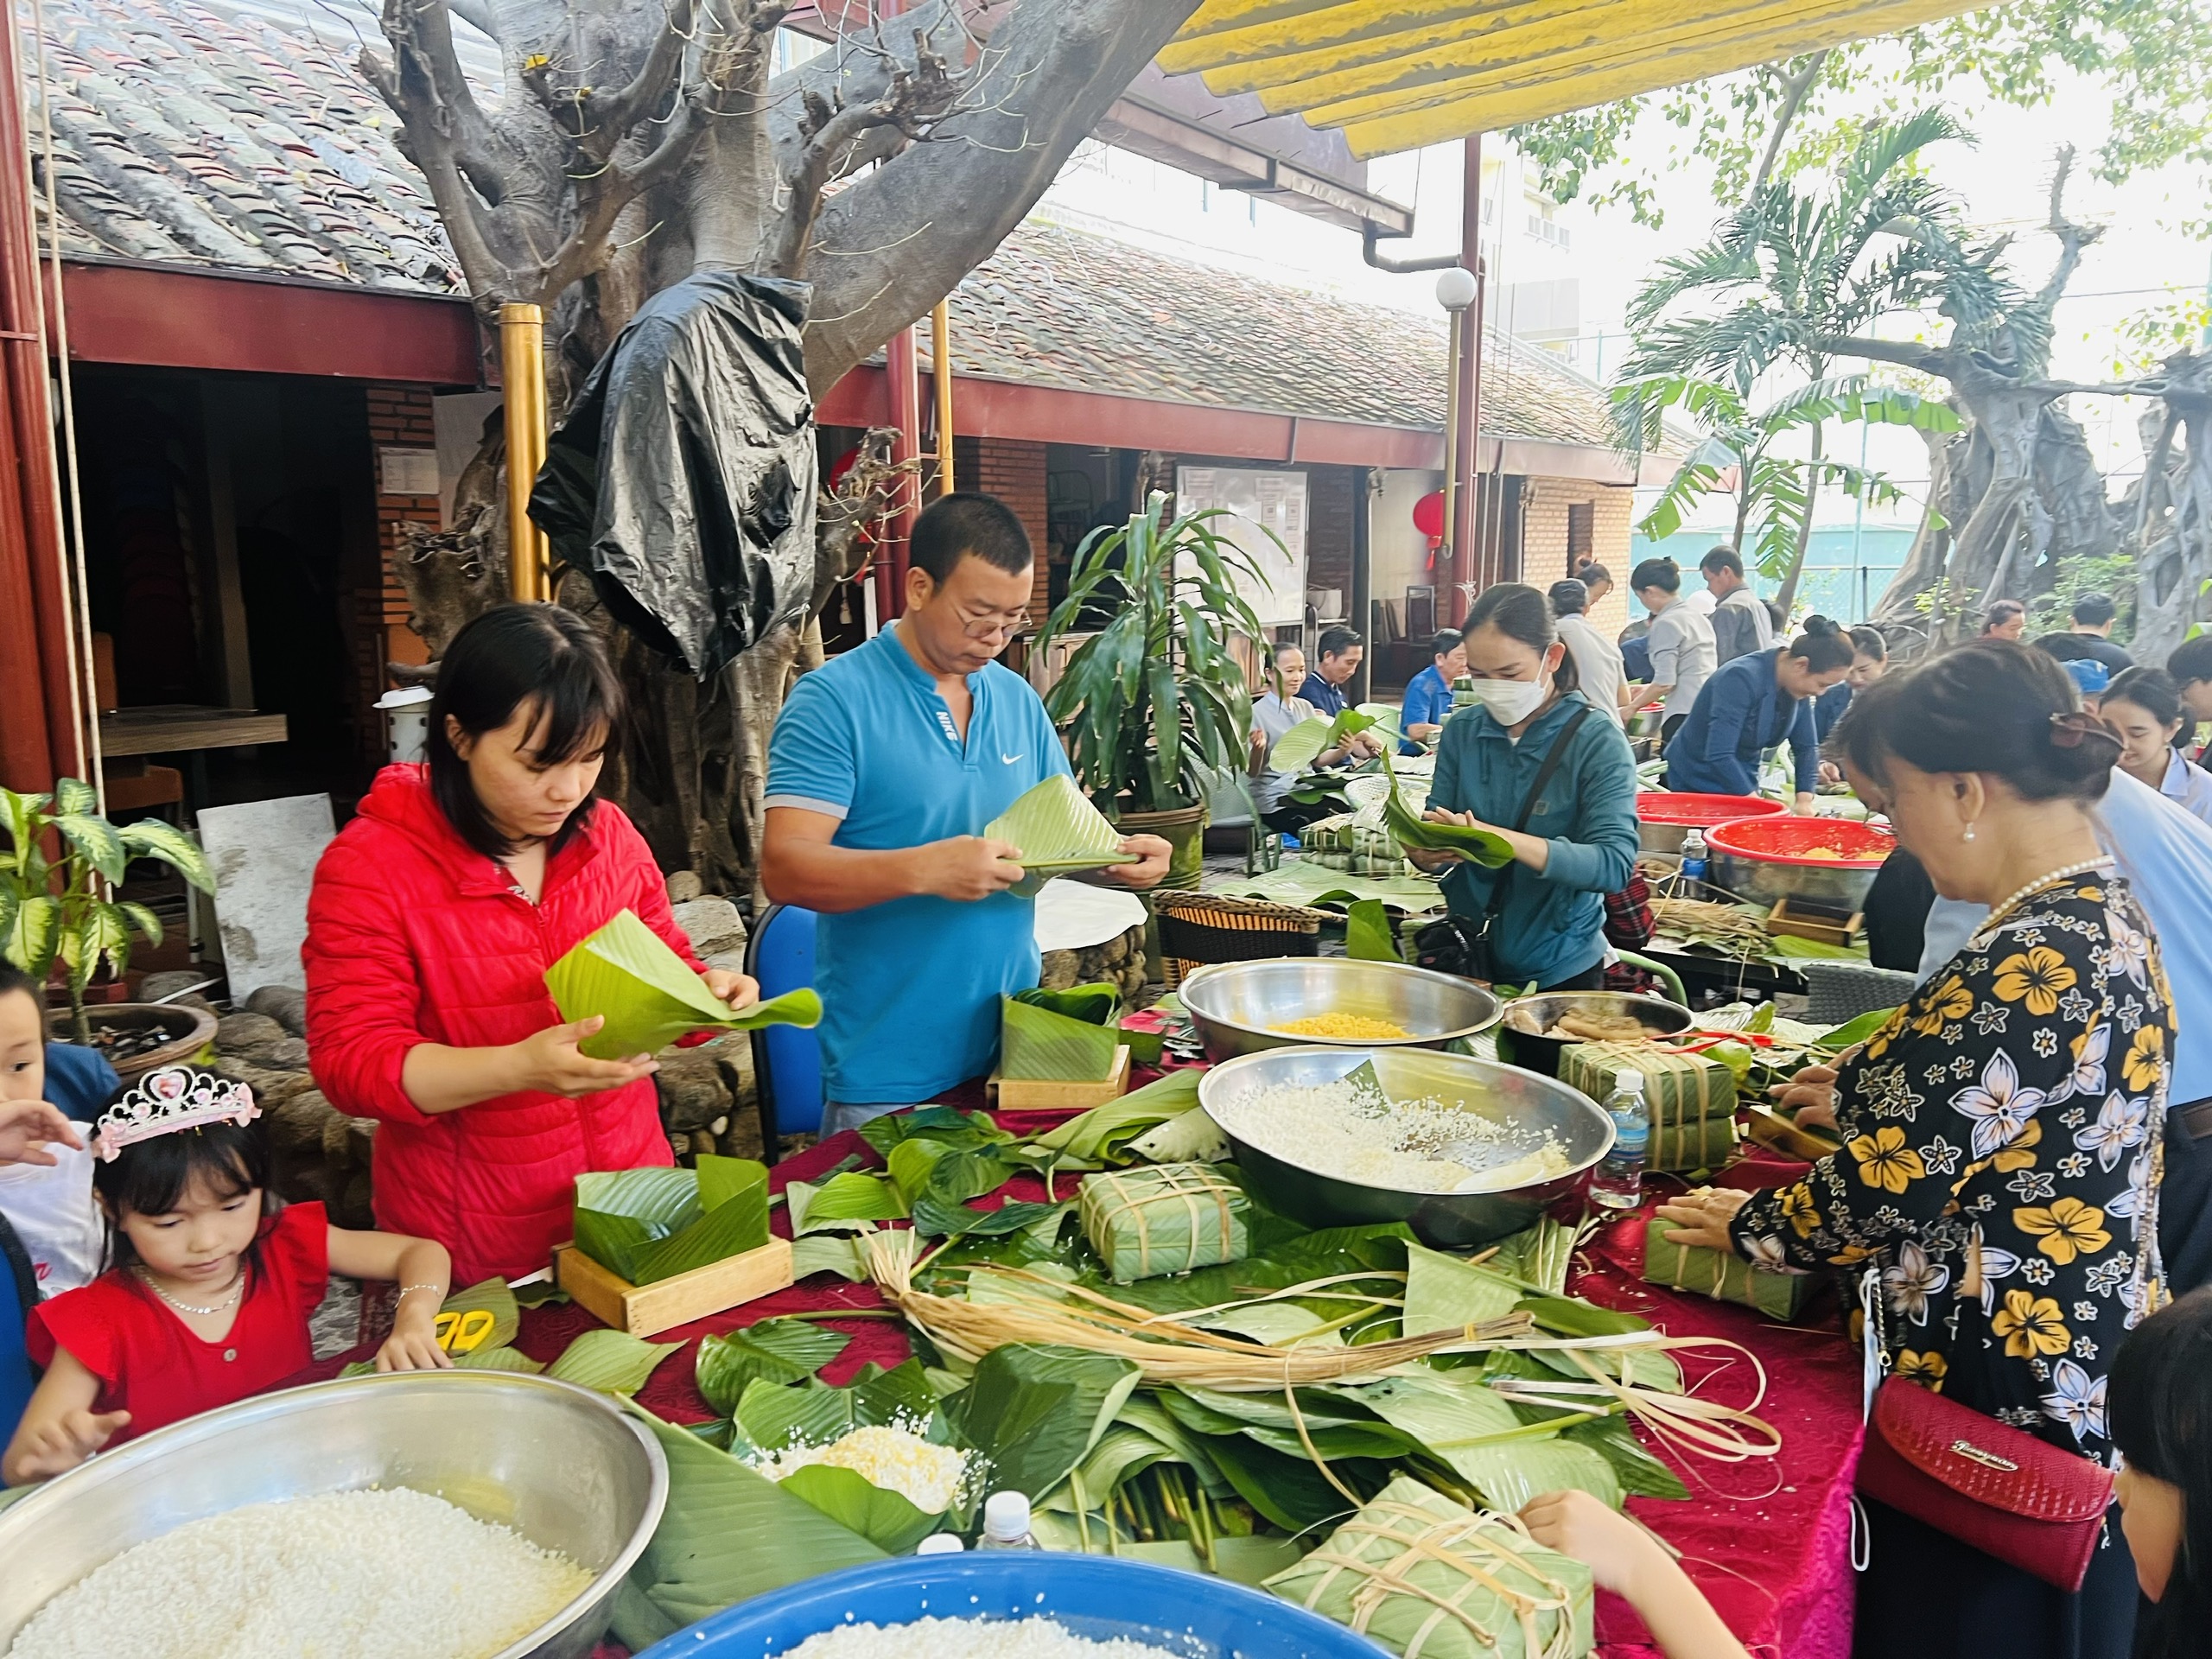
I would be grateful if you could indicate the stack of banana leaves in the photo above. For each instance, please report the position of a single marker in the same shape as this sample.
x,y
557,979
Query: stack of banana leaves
x,y
1219,1419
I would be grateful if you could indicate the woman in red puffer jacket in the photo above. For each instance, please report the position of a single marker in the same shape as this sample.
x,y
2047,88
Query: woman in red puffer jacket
x,y
434,918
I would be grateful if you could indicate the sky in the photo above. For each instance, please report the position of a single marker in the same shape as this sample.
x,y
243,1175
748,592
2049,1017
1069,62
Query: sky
x,y
2142,260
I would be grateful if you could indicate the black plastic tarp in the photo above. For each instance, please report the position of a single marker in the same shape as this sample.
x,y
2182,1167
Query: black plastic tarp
x,y
683,478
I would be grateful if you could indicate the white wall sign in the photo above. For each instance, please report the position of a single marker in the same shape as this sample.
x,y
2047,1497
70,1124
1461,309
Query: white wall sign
x,y
407,472
1268,524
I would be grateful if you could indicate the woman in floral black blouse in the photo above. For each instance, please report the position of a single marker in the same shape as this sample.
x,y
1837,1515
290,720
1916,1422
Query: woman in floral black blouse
x,y
2002,1133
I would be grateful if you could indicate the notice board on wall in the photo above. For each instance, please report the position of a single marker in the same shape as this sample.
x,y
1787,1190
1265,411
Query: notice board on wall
x,y
1267,521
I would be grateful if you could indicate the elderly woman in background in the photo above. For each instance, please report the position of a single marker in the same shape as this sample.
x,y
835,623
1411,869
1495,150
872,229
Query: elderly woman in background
x,y
2000,1168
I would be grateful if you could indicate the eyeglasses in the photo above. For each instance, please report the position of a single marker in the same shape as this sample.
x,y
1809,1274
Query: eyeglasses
x,y
996,624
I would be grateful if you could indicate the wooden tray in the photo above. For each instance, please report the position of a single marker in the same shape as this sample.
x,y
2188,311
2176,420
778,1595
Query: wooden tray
x,y
643,1310
1018,1095
1826,929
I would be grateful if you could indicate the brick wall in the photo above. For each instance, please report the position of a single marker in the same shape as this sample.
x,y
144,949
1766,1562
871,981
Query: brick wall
x,y
1328,530
399,417
1544,504
1013,471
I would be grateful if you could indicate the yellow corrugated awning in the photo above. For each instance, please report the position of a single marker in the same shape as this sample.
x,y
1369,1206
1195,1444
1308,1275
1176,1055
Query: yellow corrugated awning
x,y
1396,74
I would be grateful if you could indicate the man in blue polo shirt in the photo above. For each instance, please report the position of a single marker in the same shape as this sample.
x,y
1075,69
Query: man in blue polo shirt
x,y
886,764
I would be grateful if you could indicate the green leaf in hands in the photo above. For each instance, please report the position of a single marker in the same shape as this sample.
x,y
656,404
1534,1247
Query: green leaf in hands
x,y
1058,830
1483,847
649,996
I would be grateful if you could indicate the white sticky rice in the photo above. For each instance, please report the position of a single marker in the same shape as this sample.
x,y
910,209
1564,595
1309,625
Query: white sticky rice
x,y
376,1574
968,1638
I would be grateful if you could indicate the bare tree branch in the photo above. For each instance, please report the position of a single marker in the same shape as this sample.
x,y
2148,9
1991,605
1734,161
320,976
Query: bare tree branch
x,y
616,114
1793,99
2072,238
431,148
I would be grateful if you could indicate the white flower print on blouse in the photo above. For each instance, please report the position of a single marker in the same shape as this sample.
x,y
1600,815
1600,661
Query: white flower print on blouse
x,y
2122,1123
1912,1280
1997,1105
2076,1401
2087,1077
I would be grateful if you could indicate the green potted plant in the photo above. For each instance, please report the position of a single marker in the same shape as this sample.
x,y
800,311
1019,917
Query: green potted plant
x,y
1155,702
61,909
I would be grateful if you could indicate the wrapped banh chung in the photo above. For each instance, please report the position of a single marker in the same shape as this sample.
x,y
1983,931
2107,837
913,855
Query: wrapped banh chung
x,y
1164,1218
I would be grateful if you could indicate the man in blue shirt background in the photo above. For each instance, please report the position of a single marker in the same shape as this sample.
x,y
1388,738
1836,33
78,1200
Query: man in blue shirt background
x,y
886,764
1340,651
1428,694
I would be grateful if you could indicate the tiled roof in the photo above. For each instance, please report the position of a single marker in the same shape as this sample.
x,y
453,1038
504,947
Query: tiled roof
x,y
1059,307
238,136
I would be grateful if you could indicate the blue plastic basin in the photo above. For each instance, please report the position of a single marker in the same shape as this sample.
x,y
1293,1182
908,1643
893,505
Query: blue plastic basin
x,y
1094,1596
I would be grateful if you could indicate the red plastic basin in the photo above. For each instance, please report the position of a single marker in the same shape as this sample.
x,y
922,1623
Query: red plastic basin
x,y
1699,811
1774,840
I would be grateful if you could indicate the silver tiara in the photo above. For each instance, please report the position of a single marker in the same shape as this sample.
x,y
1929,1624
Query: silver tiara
x,y
173,1098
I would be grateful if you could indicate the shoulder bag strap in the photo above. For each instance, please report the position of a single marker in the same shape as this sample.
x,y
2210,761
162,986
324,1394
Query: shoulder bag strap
x,y
1545,773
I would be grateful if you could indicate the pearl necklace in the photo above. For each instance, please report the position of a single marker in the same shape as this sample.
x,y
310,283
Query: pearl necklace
x,y
237,1289
2037,886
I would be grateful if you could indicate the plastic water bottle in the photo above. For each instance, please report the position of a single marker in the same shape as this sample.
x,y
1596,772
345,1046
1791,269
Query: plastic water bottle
x,y
1005,1522
1694,860
941,1544
1618,1182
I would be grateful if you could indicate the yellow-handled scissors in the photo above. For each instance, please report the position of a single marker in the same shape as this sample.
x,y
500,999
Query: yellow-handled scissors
x,y
463,1333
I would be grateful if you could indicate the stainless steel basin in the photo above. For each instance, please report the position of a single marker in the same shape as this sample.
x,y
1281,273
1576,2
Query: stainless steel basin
x,y
1236,1005
1446,1220
562,1465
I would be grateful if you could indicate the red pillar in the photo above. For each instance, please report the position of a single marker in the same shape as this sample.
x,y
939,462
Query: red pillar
x,y
901,371
39,734
1468,566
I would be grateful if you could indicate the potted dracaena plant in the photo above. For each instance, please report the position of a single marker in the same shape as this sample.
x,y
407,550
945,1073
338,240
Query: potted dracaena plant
x,y
1155,701
58,874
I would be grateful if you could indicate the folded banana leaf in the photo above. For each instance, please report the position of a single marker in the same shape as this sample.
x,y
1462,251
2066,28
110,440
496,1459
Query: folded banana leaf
x,y
1483,847
649,997
1038,1044
1164,1218
1102,1134
1058,830
648,1224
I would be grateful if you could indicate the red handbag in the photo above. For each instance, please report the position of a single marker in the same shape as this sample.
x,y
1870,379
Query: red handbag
x,y
2000,1489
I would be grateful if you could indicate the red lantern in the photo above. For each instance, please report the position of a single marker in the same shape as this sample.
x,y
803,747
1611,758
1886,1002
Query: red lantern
x,y
1428,518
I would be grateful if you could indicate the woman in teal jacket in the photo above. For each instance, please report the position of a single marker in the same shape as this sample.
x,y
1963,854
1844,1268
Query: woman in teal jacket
x,y
1573,839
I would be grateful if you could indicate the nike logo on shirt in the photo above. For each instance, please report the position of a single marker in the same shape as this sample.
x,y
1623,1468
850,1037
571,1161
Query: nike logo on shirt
x,y
1007,760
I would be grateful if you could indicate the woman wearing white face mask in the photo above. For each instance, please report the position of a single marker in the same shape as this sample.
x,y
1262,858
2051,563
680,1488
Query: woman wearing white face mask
x,y
1537,764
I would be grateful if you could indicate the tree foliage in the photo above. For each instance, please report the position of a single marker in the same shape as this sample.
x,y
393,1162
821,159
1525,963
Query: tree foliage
x,y
2145,55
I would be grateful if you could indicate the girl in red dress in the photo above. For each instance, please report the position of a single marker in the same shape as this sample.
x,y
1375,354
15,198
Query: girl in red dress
x,y
211,1282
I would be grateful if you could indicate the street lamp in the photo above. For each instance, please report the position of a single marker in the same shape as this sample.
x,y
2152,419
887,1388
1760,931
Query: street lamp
x,y
1455,291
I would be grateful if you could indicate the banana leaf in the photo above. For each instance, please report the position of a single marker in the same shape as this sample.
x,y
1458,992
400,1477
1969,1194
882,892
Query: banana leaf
x,y
1037,1044
497,1359
1058,830
728,1535
1095,1005
935,1217
836,1253
1483,847
1191,1138
1445,1292
613,1361
1100,1133
489,1296
779,1351
1035,1410
649,997
1857,1031
648,1224
1369,934
849,1201
1640,1474
772,1415
1289,1491
1305,742
956,1129
1279,1264
886,1519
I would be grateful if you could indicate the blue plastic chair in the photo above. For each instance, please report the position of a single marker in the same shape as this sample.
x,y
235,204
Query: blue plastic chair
x,y
786,1061
18,1291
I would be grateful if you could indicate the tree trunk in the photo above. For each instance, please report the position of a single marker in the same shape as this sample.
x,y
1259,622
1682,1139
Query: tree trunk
x,y
1902,604
1787,598
2173,537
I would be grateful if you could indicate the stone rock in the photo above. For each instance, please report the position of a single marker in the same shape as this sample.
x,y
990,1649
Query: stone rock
x,y
345,1139
712,924
285,1004
1059,970
250,1036
352,1207
730,961
693,1092
290,1054
684,886
296,1125
271,1089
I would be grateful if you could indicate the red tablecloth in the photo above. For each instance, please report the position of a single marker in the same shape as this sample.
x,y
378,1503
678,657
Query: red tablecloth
x,y
1768,1541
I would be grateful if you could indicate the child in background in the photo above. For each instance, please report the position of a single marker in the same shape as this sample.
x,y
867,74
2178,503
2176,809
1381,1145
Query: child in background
x,y
1628,1561
214,1280
2163,1427
45,1170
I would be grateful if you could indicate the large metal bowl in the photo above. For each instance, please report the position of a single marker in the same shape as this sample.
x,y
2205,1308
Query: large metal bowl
x,y
1236,1005
1448,1221
1540,1054
559,1464
1760,860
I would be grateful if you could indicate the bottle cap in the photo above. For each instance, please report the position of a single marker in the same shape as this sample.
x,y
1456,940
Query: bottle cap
x,y
1628,1082
940,1544
1006,1516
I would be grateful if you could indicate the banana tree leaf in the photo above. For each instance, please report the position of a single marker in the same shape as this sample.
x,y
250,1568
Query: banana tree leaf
x,y
1369,935
1857,1031
1445,1292
1289,1492
649,997
1639,1474
1483,847
1305,742
956,1129
1103,1131
779,1351
1037,1045
728,1535
1509,1475
773,1415
885,1519
1058,830
613,1361
497,1359
1035,1411
836,1253
734,1228
1097,1005
1192,1138
936,1218
493,1297
851,1201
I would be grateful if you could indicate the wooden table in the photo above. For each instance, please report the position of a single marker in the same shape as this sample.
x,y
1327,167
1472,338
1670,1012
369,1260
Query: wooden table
x,y
177,728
